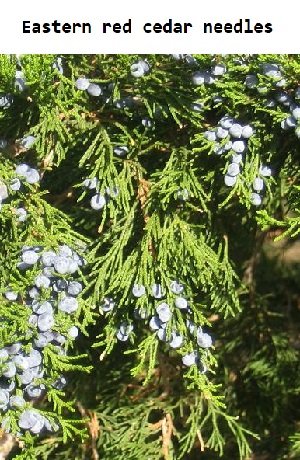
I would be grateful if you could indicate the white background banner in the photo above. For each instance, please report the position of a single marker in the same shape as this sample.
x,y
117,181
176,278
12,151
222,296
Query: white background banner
x,y
159,26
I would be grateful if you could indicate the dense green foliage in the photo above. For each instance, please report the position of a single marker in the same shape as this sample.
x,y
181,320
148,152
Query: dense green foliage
x,y
193,163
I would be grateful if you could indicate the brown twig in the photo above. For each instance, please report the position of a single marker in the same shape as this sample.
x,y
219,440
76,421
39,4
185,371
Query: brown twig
x,y
167,431
7,443
93,428
199,436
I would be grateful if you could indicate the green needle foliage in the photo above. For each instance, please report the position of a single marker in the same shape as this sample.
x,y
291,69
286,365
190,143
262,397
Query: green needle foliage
x,y
146,311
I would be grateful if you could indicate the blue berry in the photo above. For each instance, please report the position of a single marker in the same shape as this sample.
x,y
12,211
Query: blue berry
x,y
258,184
157,291
126,328
122,337
82,84
30,257
34,358
4,399
137,70
236,130
14,348
147,122
32,176
155,323
190,358
191,326
16,401
181,303
239,146
228,145
176,287
43,339
61,264
162,334
3,191
20,81
251,81
65,250
178,57
60,383
42,281
108,304
6,100
237,158
91,184
3,355
121,150
176,340
34,293
21,214
233,169
226,122
58,65
35,391
204,340
265,171
74,288
230,181
94,90
11,295
68,305
219,149
221,133
164,312
98,202
210,135
73,332
28,419
60,339
247,132
9,370
218,69
28,141
138,290
48,258
296,113
45,322
197,106
21,362
256,199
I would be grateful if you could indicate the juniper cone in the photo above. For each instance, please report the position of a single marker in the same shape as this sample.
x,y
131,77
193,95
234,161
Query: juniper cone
x,y
146,311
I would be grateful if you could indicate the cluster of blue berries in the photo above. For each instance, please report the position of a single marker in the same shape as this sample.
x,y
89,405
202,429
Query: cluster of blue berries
x,y
161,321
258,184
99,200
84,84
52,295
24,174
231,137
280,97
209,76
20,84
270,70
292,121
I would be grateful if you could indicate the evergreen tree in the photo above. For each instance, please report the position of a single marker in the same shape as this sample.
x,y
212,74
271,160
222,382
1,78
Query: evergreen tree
x,y
146,311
